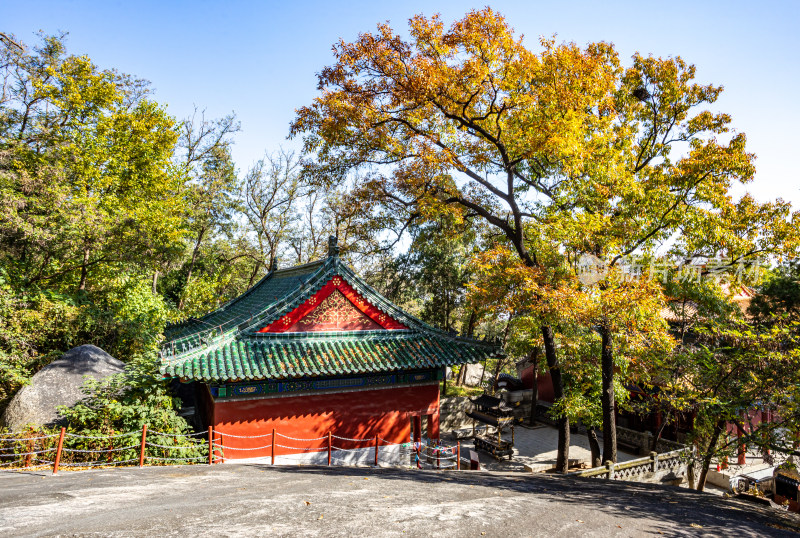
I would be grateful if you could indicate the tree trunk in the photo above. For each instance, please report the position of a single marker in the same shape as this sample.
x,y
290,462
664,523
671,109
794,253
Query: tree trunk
x,y
473,319
483,372
253,275
84,269
155,281
534,358
701,481
497,369
191,268
462,375
462,372
660,432
595,447
607,397
562,458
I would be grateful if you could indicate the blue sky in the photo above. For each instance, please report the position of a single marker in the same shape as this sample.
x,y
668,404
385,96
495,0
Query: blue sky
x,y
259,59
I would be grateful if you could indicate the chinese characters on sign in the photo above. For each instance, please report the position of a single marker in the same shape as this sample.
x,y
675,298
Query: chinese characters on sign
x,y
592,269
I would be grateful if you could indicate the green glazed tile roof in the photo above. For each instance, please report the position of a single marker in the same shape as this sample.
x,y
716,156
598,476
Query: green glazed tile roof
x,y
225,345
270,289
295,355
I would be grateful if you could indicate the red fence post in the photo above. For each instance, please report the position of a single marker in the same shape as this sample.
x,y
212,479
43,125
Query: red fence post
x,y
376,450
458,456
211,445
58,451
329,448
111,448
141,450
273,446
31,448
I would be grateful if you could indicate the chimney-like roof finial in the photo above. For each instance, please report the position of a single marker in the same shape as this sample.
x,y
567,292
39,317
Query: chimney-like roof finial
x,y
333,246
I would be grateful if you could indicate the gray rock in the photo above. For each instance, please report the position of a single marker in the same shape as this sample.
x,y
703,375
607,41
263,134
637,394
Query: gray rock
x,y
59,383
474,374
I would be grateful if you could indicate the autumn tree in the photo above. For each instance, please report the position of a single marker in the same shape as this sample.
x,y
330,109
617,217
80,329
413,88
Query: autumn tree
x,y
465,121
562,145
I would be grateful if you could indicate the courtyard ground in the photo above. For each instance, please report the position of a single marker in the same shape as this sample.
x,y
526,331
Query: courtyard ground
x,y
535,448
248,500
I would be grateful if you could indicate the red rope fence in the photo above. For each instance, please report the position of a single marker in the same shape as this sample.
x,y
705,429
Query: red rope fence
x,y
73,450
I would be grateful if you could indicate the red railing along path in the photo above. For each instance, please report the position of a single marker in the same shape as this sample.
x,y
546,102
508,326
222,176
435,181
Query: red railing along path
x,y
273,446
211,445
84,451
144,440
58,450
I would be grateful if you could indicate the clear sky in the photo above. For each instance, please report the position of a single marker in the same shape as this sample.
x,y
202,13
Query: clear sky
x,y
260,59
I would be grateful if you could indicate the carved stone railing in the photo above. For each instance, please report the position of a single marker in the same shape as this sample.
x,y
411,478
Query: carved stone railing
x,y
654,468
641,441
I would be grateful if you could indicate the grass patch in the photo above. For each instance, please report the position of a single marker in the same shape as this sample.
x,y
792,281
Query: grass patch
x,y
453,390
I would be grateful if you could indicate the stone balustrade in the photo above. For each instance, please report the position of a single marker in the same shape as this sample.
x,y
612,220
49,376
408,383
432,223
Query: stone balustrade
x,y
667,467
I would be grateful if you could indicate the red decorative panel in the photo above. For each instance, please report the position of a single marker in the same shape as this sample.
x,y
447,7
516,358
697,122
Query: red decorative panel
x,y
334,313
335,307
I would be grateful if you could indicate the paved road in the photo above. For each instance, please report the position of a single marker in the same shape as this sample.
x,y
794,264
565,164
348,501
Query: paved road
x,y
242,500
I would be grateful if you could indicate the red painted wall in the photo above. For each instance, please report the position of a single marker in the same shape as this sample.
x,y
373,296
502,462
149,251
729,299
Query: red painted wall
x,y
544,382
356,415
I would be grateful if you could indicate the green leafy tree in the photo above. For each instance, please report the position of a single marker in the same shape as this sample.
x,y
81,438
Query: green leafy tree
x,y
213,188
90,204
733,368
124,403
85,171
778,295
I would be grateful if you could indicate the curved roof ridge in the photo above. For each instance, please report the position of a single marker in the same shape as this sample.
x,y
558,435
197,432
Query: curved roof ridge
x,y
219,327
290,301
203,325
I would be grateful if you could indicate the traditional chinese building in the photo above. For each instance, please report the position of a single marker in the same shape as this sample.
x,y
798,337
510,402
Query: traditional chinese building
x,y
312,349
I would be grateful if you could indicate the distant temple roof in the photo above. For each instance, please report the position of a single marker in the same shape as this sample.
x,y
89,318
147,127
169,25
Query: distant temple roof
x,y
317,319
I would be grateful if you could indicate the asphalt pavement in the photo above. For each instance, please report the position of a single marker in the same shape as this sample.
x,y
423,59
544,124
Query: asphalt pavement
x,y
249,500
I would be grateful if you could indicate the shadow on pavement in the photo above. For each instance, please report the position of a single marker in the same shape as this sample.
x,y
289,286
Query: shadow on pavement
x,y
628,499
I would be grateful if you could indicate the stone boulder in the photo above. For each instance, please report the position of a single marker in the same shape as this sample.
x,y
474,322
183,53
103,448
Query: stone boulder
x,y
59,383
473,375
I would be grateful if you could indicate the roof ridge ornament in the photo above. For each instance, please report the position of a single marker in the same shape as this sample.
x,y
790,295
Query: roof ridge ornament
x,y
333,246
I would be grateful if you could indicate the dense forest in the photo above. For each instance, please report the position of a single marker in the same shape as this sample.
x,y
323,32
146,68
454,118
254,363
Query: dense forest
x,y
467,177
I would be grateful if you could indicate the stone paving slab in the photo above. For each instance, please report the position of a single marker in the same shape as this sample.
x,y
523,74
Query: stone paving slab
x,y
258,500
